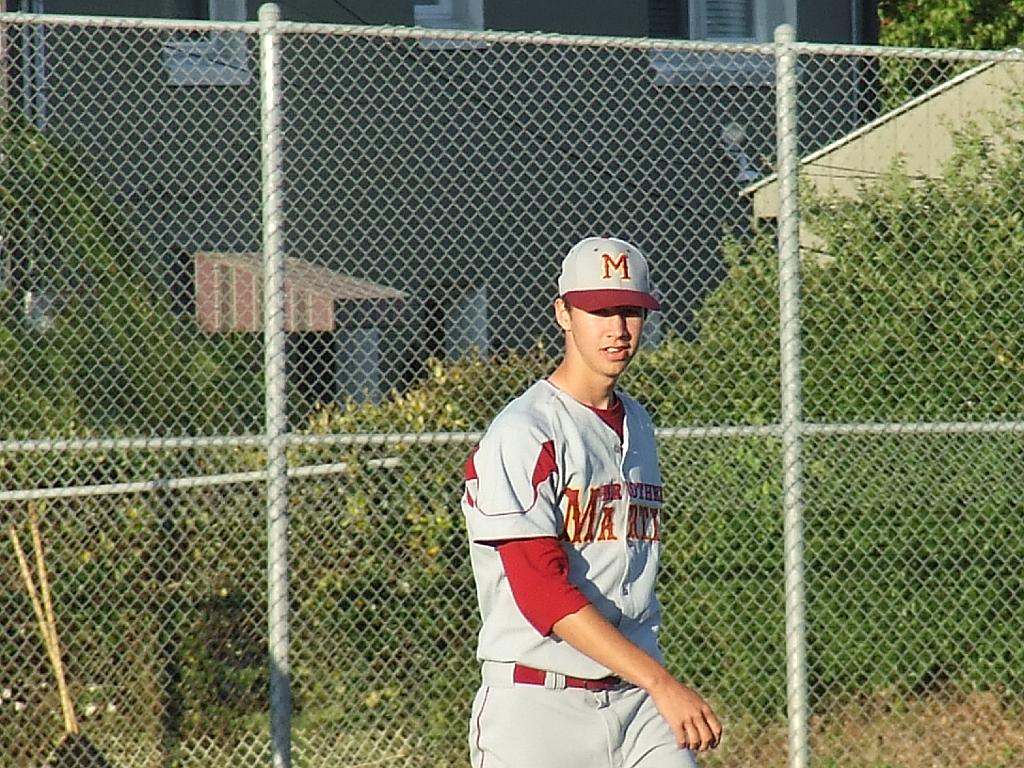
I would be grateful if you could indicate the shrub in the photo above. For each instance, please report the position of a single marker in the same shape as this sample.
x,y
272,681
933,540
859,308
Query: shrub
x,y
111,356
112,359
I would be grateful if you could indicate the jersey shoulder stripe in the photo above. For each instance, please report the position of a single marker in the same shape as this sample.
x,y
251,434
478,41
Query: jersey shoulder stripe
x,y
544,467
516,456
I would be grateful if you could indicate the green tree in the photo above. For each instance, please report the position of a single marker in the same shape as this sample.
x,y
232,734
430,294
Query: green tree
x,y
957,24
968,24
109,354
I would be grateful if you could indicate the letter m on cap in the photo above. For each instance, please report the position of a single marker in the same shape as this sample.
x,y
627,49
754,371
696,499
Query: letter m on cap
x,y
610,264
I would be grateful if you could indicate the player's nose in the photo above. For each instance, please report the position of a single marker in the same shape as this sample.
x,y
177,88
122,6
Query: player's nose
x,y
617,326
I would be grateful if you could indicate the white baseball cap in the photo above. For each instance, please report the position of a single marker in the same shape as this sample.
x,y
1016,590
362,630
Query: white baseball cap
x,y
603,272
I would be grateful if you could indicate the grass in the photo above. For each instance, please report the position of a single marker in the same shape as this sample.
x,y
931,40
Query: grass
x,y
947,730
943,730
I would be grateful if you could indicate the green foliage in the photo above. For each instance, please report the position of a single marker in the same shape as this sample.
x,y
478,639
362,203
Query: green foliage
x,y
729,375
913,315
914,578
962,24
969,24
459,396
910,313
116,359
721,584
381,551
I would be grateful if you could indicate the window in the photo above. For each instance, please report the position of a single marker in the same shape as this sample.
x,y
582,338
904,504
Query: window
x,y
455,320
359,367
214,58
466,323
227,10
738,20
721,21
449,14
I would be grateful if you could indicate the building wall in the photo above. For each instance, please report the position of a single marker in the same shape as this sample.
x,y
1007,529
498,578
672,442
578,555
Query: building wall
x,y
841,21
582,17
855,21
349,12
448,174
168,9
823,22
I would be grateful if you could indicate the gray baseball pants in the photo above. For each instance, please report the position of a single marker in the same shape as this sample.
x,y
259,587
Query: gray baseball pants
x,y
532,726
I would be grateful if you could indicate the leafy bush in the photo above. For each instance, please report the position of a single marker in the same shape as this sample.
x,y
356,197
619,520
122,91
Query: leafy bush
x,y
384,594
964,24
111,357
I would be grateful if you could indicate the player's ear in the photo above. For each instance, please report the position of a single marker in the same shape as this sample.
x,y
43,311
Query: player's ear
x,y
562,316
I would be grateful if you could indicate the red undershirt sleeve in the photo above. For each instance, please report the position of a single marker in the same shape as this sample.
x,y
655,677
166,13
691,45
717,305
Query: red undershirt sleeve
x,y
538,575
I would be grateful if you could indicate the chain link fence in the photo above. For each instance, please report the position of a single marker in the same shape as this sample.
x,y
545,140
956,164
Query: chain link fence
x,y
841,435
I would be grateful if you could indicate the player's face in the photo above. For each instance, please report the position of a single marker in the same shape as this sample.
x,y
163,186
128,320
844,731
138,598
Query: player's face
x,y
604,341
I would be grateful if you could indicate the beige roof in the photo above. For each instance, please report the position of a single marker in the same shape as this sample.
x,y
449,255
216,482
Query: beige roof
x,y
920,133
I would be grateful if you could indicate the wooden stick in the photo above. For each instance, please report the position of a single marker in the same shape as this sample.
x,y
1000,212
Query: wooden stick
x,y
67,705
30,587
37,607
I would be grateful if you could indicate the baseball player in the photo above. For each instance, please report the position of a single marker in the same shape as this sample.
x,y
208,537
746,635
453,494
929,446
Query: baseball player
x,y
563,503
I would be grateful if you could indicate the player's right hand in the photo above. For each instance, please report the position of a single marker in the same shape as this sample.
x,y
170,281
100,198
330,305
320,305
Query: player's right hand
x,y
692,720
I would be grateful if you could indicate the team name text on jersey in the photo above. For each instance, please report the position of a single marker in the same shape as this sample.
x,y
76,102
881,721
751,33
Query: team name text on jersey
x,y
589,519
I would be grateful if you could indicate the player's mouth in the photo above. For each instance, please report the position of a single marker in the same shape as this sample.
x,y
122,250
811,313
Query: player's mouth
x,y
617,354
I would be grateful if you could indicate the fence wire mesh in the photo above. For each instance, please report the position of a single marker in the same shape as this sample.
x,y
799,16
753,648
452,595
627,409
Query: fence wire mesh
x,y
431,186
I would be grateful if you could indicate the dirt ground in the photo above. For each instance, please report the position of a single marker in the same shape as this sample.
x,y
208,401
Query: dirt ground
x,y
973,730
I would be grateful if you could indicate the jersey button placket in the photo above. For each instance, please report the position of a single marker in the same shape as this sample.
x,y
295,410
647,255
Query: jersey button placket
x,y
620,449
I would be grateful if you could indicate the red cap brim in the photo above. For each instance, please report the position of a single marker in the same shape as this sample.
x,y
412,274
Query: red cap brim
x,y
606,298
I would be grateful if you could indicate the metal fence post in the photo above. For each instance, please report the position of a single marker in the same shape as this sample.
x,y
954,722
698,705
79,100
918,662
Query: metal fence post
x,y
792,427
276,416
4,86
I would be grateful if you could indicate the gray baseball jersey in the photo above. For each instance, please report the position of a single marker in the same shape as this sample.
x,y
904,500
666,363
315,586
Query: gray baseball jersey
x,y
549,466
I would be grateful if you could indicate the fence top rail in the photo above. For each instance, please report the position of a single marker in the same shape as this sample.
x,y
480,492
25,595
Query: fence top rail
x,y
886,52
487,36
383,31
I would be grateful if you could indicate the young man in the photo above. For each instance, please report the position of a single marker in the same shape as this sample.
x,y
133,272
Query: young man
x,y
563,504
